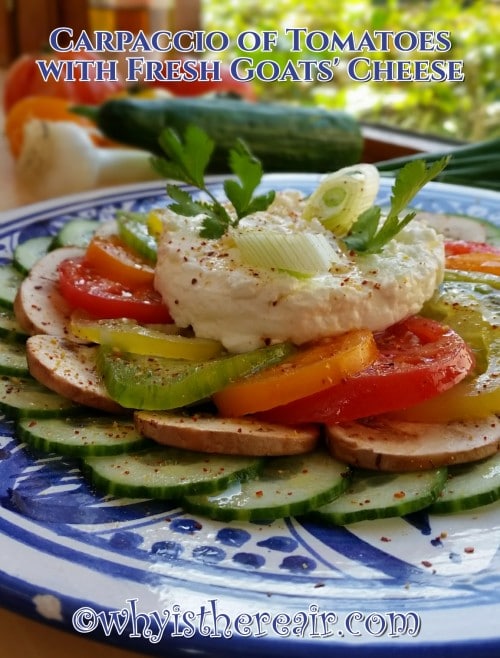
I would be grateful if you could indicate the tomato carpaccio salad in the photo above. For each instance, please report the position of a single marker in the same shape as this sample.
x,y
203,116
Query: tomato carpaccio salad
x,y
351,375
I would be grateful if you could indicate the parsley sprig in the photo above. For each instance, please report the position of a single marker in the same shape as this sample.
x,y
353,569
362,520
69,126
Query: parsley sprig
x,y
366,234
187,162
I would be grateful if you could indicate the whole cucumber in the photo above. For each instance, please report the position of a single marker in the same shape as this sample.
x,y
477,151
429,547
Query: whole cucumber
x,y
285,138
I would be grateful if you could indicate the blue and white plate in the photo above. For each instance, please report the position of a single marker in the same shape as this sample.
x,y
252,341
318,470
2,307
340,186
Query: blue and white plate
x,y
155,579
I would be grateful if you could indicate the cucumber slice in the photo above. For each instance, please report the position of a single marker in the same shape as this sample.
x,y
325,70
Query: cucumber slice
x,y
13,360
469,485
20,397
10,280
462,227
81,437
29,252
133,230
76,233
155,383
10,329
287,486
382,495
165,473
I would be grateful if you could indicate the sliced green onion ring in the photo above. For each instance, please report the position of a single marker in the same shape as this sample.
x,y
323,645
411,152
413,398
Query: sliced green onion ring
x,y
342,196
303,253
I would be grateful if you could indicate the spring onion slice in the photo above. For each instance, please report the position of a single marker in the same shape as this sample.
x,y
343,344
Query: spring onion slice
x,y
129,336
302,253
342,196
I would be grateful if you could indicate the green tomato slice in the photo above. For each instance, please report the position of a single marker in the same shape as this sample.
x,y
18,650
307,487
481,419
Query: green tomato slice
x,y
156,383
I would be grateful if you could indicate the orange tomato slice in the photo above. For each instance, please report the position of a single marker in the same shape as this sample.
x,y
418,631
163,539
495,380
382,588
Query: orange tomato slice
x,y
475,262
312,369
113,259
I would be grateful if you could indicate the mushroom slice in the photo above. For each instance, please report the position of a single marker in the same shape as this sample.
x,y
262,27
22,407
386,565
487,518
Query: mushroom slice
x,y
230,436
39,306
70,370
385,444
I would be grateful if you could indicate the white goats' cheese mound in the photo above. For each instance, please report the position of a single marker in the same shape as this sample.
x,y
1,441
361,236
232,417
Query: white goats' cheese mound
x,y
207,286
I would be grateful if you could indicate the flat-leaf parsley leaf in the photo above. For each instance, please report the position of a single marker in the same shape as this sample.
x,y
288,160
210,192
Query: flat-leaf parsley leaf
x,y
187,162
366,234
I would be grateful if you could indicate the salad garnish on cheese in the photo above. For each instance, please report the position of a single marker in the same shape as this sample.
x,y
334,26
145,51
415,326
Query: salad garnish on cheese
x,y
380,273
208,285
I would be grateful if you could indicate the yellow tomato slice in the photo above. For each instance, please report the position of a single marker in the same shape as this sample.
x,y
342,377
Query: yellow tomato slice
x,y
310,370
129,336
114,260
475,262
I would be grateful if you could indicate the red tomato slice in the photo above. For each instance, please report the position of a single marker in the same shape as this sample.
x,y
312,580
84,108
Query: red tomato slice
x,y
419,358
456,247
86,289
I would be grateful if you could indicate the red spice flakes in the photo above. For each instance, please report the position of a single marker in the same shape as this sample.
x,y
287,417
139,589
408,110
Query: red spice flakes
x,y
259,493
386,539
399,494
469,549
426,563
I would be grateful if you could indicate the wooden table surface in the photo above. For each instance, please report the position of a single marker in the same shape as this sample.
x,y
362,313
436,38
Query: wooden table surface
x,y
22,637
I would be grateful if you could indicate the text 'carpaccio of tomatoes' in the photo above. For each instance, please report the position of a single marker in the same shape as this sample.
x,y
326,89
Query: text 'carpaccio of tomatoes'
x,y
419,359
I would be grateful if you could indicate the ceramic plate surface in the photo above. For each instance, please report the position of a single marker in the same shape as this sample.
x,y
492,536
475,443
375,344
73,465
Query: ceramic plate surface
x,y
155,579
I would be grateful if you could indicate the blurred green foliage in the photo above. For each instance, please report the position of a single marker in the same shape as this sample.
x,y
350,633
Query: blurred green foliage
x,y
467,110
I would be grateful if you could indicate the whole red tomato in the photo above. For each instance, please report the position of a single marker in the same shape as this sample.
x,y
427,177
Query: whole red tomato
x,y
24,79
190,87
